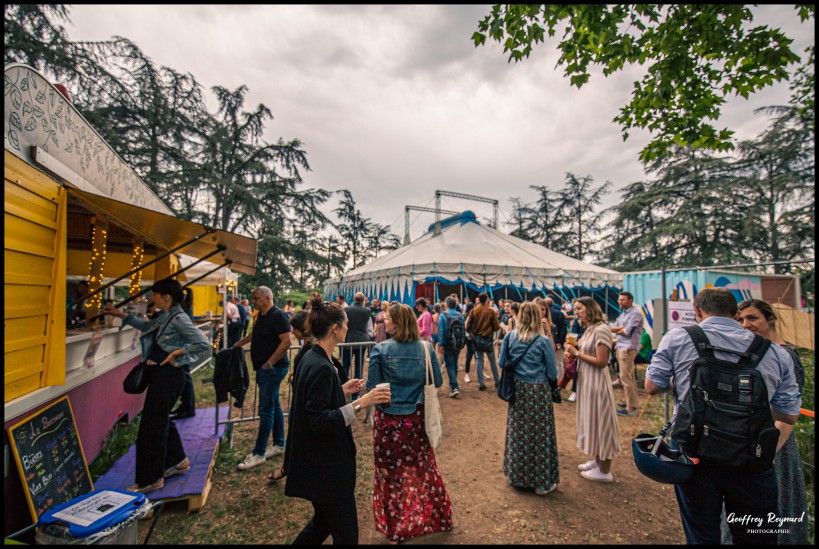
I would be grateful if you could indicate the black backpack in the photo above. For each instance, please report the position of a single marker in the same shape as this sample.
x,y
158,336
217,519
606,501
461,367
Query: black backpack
x,y
725,420
456,333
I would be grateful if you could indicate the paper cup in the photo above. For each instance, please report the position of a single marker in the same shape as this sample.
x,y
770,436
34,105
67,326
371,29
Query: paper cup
x,y
387,385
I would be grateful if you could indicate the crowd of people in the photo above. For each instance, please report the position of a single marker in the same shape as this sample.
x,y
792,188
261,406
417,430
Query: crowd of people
x,y
541,344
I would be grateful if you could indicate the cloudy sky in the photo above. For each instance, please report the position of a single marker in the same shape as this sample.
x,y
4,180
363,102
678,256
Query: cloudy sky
x,y
395,102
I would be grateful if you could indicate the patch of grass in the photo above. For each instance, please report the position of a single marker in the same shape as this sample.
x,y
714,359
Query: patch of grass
x,y
805,433
116,445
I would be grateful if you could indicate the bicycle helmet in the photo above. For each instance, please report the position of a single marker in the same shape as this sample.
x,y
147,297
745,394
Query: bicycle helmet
x,y
656,460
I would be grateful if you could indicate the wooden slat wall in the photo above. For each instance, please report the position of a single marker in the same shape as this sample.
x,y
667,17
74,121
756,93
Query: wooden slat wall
x,y
35,266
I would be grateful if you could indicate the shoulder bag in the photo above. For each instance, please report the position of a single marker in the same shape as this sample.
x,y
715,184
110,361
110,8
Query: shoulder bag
x,y
136,381
506,385
433,421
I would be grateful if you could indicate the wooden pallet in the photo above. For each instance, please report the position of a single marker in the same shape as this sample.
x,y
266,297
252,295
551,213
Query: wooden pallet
x,y
195,502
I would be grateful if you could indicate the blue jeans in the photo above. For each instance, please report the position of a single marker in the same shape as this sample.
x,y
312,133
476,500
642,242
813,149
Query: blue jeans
x,y
493,363
271,416
451,363
747,497
347,355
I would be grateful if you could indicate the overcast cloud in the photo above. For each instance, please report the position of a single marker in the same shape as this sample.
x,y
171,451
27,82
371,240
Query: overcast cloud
x,y
395,102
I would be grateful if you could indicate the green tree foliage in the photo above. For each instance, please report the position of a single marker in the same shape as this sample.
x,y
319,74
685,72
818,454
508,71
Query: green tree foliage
x,y
778,171
541,221
380,238
361,238
31,36
580,200
353,228
212,168
565,220
149,115
702,210
697,55
634,242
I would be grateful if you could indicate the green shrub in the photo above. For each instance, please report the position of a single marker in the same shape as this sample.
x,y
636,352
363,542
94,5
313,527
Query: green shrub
x,y
116,445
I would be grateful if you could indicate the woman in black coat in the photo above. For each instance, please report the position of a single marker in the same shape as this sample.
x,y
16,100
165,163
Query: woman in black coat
x,y
319,459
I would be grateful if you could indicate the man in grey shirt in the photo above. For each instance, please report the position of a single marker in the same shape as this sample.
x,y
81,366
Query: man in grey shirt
x,y
629,328
359,330
748,497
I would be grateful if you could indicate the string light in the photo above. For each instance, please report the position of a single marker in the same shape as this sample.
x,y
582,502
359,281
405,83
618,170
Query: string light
x,y
98,253
136,260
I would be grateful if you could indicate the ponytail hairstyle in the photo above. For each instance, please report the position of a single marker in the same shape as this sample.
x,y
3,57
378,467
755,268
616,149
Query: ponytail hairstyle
x,y
299,321
323,316
187,302
171,287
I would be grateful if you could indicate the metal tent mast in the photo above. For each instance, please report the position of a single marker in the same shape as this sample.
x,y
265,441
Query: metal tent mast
x,y
407,209
438,195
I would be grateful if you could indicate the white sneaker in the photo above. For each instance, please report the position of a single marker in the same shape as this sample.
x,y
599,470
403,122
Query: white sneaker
x,y
466,378
597,476
486,376
273,451
572,397
588,466
549,490
252,460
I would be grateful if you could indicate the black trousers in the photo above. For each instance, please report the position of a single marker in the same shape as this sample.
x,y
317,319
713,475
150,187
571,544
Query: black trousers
x,y
470,352
158,444
234,332
187,406
338,519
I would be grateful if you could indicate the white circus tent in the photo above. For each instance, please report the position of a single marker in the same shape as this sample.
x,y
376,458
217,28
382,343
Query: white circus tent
x,y
475,258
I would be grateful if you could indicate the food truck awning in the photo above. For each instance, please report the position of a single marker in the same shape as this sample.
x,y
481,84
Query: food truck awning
x,y
169,232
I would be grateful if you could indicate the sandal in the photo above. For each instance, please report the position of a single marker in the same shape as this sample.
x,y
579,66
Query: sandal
x,y
276,475
148,487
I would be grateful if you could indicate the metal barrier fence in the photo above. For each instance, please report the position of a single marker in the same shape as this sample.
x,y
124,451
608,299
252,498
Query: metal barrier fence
x,y
285,392
203,358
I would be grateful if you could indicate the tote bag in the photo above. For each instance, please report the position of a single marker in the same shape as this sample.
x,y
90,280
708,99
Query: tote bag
x,y
433,421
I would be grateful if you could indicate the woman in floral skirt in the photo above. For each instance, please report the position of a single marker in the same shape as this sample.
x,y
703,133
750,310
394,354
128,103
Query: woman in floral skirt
x,y
409,496
530,457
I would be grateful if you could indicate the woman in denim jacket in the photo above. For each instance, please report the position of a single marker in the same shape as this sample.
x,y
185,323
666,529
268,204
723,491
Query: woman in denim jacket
x,y
530,456
409,498
159,451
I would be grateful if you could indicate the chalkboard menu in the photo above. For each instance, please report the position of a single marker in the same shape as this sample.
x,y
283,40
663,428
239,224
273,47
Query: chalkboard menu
x,y
49,457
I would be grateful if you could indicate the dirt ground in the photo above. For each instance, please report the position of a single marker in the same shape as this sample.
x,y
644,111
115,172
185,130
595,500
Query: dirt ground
x,y
244,508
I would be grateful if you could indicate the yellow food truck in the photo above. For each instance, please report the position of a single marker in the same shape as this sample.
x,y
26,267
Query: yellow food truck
x,y
76,212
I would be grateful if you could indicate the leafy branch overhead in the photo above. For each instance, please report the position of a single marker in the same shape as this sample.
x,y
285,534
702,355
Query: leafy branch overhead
x,y
697,55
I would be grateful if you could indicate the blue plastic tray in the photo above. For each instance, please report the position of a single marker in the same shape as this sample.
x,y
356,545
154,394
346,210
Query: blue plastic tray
x,y
107,521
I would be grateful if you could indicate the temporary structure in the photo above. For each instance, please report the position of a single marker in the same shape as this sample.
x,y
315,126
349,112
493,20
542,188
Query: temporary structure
x,y
475,258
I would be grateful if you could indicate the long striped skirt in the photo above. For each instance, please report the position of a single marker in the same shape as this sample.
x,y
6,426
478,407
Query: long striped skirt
x,y
530,457
409,497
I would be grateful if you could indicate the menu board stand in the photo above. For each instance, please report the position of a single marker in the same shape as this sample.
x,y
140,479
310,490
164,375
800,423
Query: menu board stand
x,y
50,458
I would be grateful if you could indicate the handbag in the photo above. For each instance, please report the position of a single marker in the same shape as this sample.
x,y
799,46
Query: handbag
x,y
484,344
137,379
555,390
506,385
569,373
433,421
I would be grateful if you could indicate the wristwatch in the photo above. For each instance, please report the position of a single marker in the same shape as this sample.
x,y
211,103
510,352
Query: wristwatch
x,y
356,408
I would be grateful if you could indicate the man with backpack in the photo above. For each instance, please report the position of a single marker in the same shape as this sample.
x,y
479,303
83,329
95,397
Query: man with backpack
x,y
736,401
452,335
482,324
